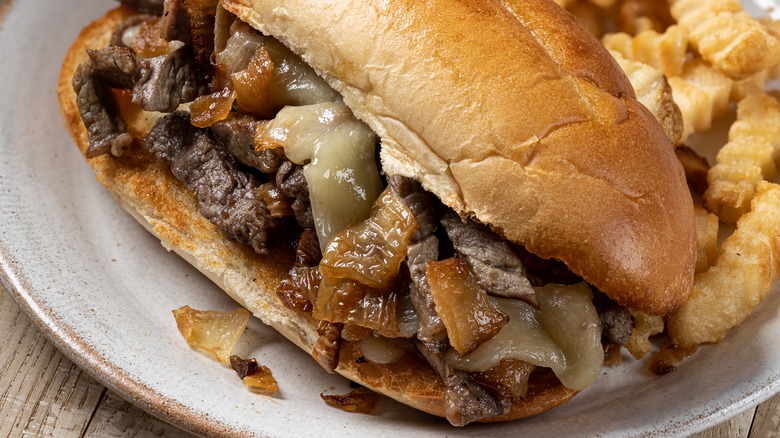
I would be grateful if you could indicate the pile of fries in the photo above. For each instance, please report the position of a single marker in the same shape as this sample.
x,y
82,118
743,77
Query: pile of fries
x,y
693,62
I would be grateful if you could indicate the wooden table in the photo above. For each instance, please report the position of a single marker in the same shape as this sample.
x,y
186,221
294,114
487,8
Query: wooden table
x,y
42,393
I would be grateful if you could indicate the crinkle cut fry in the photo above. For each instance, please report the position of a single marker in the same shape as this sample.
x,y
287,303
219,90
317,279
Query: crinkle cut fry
x,y
725,295
749,157
702,93
735,43
663,51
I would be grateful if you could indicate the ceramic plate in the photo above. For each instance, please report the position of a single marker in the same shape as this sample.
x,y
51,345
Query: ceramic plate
x,y
102,290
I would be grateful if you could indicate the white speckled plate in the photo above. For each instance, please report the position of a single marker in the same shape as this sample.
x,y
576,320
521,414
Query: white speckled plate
x,y
102,290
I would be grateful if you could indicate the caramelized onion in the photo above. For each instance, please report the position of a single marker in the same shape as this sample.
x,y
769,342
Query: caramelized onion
x,y
360,401
347,301
328,346
262,381
371,251
467,312
299,289
380,350
213,331
564,335
239,48
278,204
211,108
253,95
508,378
294,81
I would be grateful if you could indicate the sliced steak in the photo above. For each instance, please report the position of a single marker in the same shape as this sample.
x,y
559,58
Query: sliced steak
x,y
93,81
175,23
616,321
154,7
495,265
292,183
163,82
465,400
423,247
237,134
227,196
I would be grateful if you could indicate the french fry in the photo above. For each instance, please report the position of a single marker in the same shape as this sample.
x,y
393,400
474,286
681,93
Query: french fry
x,y
653,91
706,238
634,16
725,295
724,34
702,93
664,51
755,83
748,158
645,326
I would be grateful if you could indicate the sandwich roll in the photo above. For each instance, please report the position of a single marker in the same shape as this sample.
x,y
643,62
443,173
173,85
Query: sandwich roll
x,y
507,121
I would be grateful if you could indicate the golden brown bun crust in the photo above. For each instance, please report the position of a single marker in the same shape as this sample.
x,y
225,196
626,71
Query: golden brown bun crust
x,y
511,113
148,190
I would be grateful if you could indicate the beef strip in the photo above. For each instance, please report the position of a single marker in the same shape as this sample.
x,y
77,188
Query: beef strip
x,y
423,247
175,23
616,322
465,400
163,82
237,134
159,84
227,196
292,183
154,7
326,350
93,81
495,265
192,22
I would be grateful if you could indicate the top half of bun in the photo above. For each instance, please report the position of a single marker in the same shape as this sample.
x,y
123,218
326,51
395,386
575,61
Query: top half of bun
x,y
512,114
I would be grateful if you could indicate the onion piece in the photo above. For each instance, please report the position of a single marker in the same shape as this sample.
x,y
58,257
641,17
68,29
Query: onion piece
x,y
567,338
361,401
294,81
509,377
347,301
253,95
371,252
262,381
211,108
380,350
469,315
278,204
213,331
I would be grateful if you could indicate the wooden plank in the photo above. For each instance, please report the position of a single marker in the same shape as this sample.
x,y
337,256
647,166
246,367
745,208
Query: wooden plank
x,y
767,421
736,427
117,418
42,393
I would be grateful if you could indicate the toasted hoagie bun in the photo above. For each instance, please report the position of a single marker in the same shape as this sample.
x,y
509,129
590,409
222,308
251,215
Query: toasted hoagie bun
x,y
511,114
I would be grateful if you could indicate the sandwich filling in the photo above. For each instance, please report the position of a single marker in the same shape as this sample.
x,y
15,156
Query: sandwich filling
x,y
276,159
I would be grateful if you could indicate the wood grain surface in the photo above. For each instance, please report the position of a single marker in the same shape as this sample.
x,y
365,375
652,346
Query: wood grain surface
x,y
42,393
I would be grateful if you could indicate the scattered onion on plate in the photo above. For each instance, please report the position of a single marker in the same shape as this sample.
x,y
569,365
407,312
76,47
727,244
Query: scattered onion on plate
x,y
213,331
